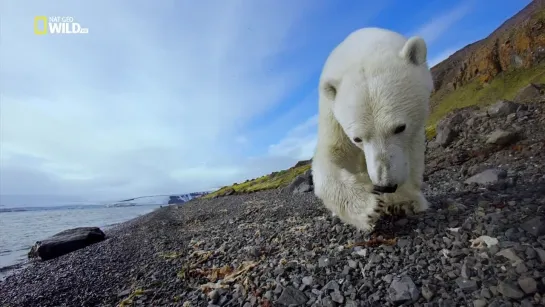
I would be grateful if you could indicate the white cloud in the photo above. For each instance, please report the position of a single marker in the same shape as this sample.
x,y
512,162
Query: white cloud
x,y
436,27
151,101
300,141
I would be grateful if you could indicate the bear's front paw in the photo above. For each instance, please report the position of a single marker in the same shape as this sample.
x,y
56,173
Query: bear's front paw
x,y
397,209
380,209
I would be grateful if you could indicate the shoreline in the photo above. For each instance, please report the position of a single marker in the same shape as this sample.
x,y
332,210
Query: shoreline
x,y
20,264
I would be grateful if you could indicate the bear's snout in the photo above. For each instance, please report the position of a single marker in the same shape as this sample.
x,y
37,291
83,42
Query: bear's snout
x,y
385,189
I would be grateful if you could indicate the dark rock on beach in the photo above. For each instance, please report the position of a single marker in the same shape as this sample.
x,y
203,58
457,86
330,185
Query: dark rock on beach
x,y
66,242
301,184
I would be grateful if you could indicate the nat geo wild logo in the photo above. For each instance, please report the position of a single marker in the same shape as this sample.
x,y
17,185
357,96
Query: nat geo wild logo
x,y
57,25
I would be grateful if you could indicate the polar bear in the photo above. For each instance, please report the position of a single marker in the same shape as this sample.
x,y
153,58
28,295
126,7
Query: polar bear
x,y
374,93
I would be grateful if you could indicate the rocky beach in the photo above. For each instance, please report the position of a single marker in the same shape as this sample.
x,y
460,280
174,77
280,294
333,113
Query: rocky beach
x,y
482,242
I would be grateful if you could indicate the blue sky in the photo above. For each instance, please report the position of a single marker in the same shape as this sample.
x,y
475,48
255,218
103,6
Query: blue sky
x,y
178,96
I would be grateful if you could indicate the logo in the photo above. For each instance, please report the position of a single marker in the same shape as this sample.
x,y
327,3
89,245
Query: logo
x,y
57,25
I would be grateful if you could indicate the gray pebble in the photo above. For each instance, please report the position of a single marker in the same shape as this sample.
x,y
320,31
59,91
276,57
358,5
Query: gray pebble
x,y
509,290
510,254
427,293
479,303
328,302
540,254
535,226
466,285
402,289
486,293
214,296
528,285
324,262
336,296
291,295
308,280
521,268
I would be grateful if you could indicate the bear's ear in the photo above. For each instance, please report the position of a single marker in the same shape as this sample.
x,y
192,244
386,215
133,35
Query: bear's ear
x,y
329,88
415,50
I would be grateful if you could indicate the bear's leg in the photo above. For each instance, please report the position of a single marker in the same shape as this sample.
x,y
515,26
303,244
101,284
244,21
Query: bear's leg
x,y
421,203
412,190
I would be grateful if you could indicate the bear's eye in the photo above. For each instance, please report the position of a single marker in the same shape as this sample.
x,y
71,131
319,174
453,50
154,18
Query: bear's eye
x,y
330,91
357,140
399,129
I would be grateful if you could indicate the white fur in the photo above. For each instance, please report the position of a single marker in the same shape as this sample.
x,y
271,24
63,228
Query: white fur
x,y
372,83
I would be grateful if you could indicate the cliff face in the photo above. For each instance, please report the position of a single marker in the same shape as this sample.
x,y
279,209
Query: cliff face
x,y
517,43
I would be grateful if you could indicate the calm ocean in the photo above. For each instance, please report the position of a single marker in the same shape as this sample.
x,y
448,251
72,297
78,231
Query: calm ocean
x,y
19,230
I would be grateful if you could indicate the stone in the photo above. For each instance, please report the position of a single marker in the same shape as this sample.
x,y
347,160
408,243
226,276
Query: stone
x,y
540,254
303,188
526,303
502,108
308,280
403,290
336,296
466,285
479,303
535,226
332,285
301,184
66,242
486,293
510,254
229,192
489,176
328,302
528,285
451,121
511,117
531,92
324,262
445,136
521,268
509,290
292,296
214,296
124,293
501,137
427,293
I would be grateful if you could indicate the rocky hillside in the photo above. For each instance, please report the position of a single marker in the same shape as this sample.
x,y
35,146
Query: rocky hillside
x,y
493,68
517,43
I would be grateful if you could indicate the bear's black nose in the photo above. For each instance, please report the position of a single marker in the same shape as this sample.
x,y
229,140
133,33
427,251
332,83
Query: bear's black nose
x,y
385,189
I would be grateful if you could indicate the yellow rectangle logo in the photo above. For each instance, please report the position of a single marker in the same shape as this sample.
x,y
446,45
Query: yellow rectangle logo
x,y
37,29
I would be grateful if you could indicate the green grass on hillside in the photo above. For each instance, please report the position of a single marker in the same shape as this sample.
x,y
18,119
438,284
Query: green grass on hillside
x,y
503,86
267,182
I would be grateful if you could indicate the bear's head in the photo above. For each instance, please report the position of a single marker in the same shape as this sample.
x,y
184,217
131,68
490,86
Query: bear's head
x,y
382,107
